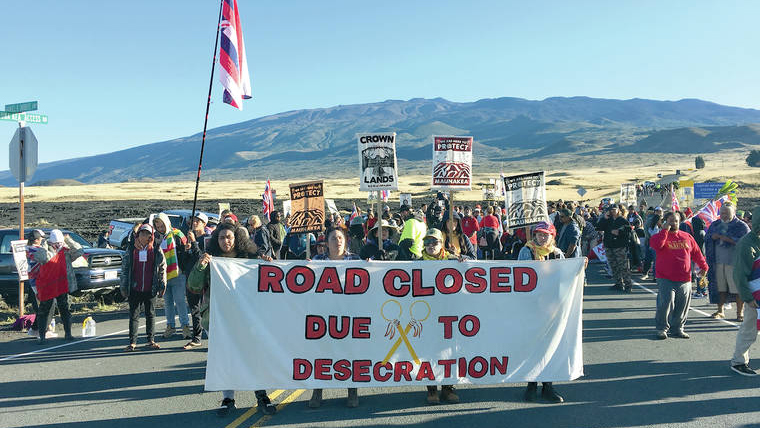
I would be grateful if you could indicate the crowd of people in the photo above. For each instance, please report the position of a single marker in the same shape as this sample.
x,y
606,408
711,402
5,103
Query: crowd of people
x,y
164,262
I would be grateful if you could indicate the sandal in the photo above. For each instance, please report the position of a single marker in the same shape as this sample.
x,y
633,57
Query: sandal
x,y
739,319
152,345
131,347
718,315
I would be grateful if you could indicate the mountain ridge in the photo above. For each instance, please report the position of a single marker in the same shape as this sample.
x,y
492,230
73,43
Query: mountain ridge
x,y
322,140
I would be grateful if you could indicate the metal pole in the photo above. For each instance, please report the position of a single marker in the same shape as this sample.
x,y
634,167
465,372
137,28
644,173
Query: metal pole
x,y
208,104
379,225
22,175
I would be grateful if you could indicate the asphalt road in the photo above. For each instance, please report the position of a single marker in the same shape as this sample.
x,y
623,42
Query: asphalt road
x,y
631,380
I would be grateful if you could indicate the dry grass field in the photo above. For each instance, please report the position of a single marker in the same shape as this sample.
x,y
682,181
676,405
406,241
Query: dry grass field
x,y
600,175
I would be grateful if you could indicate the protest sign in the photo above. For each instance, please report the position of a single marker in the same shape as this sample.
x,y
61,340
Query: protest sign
x,y
405,199
19,258
286,208
307,202
367,324
707,190
452,163
331,206
222,206
377,161
628,193
525,199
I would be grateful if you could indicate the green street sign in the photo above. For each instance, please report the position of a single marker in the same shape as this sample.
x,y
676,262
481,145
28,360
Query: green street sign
x,y
25,117
21,107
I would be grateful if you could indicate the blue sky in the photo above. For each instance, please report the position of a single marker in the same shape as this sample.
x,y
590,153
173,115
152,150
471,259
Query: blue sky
x,y
118,74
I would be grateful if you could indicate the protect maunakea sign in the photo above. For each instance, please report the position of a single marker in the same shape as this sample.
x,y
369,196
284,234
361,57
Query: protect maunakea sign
x,y
525,199
377,162
338,324
452,163
307,205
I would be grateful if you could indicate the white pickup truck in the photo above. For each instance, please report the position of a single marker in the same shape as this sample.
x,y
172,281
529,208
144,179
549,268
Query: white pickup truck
x,y
121,228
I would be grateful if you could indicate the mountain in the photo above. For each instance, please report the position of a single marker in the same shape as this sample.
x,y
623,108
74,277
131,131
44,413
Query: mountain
x,y
321,142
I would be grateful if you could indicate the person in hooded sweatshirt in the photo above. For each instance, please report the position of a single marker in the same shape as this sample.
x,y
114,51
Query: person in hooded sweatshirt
x,y
143,278
173,242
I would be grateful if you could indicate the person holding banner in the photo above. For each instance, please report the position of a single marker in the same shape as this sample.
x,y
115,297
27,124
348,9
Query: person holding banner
x,y
542,247
456,242
337,250
56,257
676,250
226,241
434,250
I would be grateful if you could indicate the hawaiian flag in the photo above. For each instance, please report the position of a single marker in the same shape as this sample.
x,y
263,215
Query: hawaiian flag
x,y
234,67
710,212
674,201
354,213
267,201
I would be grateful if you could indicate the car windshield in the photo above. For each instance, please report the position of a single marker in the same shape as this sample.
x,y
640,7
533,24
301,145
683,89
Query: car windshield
x,y
79,240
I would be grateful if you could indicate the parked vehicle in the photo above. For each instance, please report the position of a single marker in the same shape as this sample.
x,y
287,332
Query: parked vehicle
x,y
122,227
99,269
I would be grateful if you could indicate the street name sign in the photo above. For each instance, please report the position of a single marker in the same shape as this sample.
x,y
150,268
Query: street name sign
x,y
24,117
21,107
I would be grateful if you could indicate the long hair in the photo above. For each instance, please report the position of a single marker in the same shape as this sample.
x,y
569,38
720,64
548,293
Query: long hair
x,y
243,247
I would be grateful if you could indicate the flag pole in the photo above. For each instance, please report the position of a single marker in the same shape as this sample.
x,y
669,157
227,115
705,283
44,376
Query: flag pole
x,y
208,104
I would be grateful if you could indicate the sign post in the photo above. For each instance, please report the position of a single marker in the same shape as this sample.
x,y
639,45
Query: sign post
x,y
22,162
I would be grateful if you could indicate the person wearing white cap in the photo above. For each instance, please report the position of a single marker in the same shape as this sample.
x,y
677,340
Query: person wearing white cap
x,y
72,250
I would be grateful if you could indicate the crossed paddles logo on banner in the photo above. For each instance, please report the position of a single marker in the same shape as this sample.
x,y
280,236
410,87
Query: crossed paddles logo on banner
x,y
395,325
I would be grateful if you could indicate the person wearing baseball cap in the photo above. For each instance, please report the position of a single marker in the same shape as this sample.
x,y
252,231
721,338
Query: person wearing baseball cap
x,y
617,235
542,247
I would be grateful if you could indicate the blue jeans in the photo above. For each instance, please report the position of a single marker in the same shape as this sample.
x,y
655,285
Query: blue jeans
x,y
174,301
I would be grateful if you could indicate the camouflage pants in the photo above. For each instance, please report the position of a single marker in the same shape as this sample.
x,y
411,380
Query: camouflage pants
x,y
621,273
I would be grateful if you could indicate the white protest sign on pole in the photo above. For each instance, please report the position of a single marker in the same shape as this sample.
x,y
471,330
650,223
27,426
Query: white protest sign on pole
x,y
377,161
525,199
19,258
405,199
452,163
371,324
285,208
628,193
331,206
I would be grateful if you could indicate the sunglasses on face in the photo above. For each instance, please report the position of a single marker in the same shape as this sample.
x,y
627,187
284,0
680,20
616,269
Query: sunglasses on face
x,y
430,242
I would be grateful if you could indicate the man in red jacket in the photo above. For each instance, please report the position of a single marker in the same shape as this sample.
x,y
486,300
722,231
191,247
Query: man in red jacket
x,y
676,250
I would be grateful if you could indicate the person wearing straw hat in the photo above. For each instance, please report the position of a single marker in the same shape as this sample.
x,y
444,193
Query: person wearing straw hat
x,y
389,251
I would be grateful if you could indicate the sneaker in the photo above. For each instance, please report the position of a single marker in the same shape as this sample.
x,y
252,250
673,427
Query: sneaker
x,y
227,405
645,277
169,332
743,370
661,335
530,392
718,315
186,333
698,295
448,395
33,333
704,294
265,406
432,395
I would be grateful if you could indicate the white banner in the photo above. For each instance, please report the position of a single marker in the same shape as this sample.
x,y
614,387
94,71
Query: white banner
x,y
525,199
360,324
452,163
377,161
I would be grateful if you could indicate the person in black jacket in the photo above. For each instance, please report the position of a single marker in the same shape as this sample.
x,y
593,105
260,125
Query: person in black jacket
x,y
260,236
616,239
371,251
143,277
195,247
